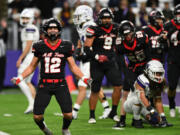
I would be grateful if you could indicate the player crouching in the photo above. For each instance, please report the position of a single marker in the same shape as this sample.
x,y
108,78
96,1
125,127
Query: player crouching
x,y
149,84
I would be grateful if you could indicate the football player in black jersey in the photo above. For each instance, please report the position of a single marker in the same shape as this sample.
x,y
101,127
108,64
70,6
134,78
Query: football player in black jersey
x,y
173,29
155,32
134,46
99,46
52,53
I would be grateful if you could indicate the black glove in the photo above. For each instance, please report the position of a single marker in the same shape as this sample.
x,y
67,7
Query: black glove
x,y
77,54
164,122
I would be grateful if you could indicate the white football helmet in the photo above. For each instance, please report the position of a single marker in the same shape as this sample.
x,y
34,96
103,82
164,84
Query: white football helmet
x,y
155,71
26,13
83,13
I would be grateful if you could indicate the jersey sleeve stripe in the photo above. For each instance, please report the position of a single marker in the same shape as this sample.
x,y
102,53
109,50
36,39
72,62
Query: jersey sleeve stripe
x,y
140,83
90,30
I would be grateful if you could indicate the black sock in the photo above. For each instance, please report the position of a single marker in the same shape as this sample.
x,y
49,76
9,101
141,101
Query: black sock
x,y
123,118
40,123
92,113
66,123
114,110
172,103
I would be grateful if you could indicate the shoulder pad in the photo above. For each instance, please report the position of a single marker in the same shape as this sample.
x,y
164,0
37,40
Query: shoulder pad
x,y
143,81
140,34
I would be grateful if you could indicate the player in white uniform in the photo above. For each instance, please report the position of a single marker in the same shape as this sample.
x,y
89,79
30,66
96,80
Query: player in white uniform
x,y
83,18
149,84
29,34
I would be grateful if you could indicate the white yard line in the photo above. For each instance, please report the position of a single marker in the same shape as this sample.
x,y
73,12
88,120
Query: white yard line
x,y
3,133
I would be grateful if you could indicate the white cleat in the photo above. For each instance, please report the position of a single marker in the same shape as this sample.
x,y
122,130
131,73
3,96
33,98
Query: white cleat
x,y
105,114
66,132
116,118
172,113
75,114
91,121
29,109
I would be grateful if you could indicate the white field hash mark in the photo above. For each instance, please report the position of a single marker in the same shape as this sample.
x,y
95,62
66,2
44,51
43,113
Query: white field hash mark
x,y
3,133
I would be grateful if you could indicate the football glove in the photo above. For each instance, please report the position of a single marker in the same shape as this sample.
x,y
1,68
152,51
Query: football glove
x,y
87,80
164,122
101,58
17,80
154,117
77,54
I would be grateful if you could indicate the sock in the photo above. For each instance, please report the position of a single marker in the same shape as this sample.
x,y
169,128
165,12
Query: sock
x,y
114,110
27,92
76,107
66,123
92,113
105,104
172,103
123,118
40,123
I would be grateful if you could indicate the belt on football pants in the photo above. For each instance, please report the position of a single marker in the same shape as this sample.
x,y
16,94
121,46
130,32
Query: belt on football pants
x,y
52,80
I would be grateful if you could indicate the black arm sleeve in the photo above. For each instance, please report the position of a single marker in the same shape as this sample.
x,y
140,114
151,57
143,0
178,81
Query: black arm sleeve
x,y
89,53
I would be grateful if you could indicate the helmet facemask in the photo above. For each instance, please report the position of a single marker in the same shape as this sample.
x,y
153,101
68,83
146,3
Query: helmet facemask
x,y
52,23
26,17
82,14
155,71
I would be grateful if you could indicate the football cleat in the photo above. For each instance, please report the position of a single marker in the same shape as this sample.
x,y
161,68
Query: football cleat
x,y
47,131
29,110
66,132
172,113
92,121
105,113
137,123
114,117
120,124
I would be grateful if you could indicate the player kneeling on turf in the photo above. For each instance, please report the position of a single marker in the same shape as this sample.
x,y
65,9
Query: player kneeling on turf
x,y
149,84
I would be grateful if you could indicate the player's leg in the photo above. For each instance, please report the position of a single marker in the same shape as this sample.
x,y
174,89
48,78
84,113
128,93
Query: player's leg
x,y
97,76
42,100
85,68
113,75
25,88
64,100
173,77
105,104
32,88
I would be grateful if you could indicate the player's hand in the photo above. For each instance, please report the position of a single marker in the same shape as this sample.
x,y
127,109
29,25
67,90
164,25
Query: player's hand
x,y
154,117
164,122
18,63
77,54
87,80
101,58
16,80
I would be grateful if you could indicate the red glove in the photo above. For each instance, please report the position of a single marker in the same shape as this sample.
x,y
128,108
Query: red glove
x,y
86,80
101,58
17,80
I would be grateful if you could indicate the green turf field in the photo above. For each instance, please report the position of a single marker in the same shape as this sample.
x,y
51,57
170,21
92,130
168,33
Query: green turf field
x,y
21,124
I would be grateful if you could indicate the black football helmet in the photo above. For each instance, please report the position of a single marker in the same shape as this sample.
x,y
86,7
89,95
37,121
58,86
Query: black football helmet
x,y
155,14
125,28
52,23
104,13
177,12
